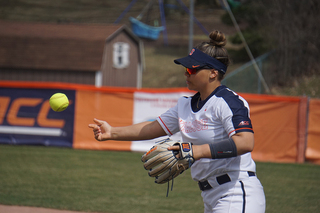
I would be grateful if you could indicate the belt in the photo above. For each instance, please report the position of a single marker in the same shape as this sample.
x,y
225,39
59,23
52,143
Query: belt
x,y
205,185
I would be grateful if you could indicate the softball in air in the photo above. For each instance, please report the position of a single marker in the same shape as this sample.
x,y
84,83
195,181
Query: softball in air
x,y
59,102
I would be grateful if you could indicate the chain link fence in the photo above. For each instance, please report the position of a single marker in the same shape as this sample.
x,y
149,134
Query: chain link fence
x,y
245,79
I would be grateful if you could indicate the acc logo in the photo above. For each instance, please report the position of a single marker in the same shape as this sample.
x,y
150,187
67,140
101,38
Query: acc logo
x,y
192,51
244,123
12,116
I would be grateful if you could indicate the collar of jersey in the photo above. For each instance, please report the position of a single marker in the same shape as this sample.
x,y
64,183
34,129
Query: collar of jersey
x,y
194,99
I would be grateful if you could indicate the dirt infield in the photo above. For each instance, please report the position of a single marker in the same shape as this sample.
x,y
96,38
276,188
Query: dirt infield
x,y
26,209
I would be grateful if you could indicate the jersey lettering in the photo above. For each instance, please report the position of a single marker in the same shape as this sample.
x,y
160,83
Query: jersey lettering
x,y
194,126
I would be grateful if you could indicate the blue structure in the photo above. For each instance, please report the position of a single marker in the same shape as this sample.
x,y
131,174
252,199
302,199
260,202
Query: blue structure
x,y
150,32
145,31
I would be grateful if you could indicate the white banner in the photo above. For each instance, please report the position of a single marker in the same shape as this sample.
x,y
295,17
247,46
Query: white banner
x,y
149,106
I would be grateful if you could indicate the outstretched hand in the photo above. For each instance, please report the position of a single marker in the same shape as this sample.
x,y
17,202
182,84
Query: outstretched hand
x,y
101,130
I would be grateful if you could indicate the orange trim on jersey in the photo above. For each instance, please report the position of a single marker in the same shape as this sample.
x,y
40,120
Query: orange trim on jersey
x,y
165,125
240,129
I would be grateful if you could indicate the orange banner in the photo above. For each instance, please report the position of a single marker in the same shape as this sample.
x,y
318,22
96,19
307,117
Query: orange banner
x,y
275,123
114,107
286,128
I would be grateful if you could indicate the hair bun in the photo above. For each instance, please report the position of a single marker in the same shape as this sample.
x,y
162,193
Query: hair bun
x,y
217,38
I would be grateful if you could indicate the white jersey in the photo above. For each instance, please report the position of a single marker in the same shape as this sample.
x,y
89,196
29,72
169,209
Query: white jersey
x,y
217,118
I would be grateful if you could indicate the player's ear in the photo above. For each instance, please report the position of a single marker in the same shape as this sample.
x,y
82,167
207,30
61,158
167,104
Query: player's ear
x,y
213,74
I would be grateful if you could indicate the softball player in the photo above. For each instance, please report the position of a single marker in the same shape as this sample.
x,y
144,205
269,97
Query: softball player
x,y
216,120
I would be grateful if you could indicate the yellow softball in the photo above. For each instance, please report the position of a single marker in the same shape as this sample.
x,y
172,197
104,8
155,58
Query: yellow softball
x,y
59,102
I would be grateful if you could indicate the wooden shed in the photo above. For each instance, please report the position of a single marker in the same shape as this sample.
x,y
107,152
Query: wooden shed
x,y
101,55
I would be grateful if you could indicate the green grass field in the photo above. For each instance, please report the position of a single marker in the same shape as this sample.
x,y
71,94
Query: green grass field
x,y
106,181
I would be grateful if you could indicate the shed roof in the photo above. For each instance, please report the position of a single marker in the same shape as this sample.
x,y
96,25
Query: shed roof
x,y
54,46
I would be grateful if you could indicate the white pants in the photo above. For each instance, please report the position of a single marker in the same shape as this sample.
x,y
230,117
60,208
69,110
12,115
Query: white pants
x,y
243,194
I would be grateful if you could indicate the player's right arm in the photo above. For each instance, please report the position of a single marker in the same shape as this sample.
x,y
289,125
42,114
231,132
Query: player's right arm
x,y
141,131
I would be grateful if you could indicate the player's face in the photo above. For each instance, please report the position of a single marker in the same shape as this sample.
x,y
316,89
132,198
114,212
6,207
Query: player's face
x,y
198,80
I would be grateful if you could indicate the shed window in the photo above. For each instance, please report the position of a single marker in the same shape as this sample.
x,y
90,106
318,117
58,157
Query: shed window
x,y
121,55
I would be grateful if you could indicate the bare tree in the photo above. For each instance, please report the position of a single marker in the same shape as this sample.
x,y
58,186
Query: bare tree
x,y
295,29
291,29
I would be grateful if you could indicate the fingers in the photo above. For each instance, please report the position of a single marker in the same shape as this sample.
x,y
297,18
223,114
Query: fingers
x,y
96,131
98,122
176,147
101,129
96,128
93,126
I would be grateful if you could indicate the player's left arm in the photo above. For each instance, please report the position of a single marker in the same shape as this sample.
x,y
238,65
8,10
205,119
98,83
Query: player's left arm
x,y
243,141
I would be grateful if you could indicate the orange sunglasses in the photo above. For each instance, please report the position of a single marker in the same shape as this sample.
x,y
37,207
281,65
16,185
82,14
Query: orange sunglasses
x,y
192,71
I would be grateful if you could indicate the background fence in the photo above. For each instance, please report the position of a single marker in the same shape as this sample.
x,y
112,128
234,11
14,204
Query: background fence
x,y
245,78
286,128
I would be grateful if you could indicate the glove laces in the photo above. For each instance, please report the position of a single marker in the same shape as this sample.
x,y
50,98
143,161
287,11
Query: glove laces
x,y
169,186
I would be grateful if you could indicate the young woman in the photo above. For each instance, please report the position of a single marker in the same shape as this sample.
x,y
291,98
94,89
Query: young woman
x,y
216,120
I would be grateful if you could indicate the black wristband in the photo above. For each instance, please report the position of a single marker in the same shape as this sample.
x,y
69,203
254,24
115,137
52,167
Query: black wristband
x,y
224,149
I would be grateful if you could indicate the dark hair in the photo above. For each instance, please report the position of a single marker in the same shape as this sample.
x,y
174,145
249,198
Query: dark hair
x,y
215,48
